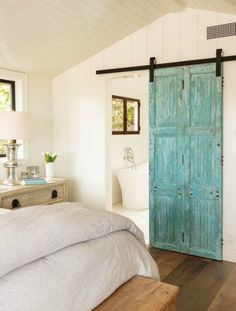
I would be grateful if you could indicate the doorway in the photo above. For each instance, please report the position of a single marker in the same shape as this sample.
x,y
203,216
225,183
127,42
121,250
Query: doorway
x,y
129,149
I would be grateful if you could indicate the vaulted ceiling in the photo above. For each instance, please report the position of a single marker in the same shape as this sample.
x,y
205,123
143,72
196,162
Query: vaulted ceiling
x,y
49,36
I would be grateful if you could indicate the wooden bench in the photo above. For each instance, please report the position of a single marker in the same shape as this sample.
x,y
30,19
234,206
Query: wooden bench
x,y
141,294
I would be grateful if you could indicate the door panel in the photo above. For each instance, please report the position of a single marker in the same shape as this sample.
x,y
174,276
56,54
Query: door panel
x,y
166,193
166,156
202,161
167,96
202,107
203,228
166,233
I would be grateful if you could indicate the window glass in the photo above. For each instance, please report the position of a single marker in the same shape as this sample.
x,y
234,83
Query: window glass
x,y
7,103
5,97
132,116
117,115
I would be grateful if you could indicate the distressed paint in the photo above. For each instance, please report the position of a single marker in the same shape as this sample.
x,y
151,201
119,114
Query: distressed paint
x,y
185,160
203,162
165,177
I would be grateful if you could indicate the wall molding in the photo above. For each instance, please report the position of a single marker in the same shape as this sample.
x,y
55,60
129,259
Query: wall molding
x,y
229,254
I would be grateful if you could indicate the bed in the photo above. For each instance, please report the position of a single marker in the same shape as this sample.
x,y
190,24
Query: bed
x,y
66,257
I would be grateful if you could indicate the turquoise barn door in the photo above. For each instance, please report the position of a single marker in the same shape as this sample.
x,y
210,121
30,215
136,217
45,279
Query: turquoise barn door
x,y
185,160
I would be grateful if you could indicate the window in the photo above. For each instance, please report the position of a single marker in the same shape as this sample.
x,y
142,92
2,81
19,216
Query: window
x,y
7,103
125,115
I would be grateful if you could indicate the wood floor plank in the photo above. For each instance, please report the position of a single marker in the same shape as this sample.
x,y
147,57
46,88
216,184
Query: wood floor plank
x,y
226,298
205,285
154,252
167,261
209,280
201,285
186,272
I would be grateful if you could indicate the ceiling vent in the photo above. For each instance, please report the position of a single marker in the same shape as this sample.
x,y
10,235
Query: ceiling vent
x,y
220,31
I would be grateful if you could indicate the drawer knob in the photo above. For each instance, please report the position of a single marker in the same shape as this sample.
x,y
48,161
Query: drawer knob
x,y
15,203
54,194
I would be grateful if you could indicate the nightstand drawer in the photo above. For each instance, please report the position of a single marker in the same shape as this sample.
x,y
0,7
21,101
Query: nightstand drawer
x,y
47,194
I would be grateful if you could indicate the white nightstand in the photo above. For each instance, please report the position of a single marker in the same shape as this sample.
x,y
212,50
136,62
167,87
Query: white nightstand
x,y
22,196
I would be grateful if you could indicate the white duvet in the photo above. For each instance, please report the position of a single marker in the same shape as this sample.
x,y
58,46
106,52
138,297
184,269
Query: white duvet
x,y
66,257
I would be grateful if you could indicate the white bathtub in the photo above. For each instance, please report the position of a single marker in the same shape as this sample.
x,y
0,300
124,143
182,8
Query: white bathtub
x,y
134,186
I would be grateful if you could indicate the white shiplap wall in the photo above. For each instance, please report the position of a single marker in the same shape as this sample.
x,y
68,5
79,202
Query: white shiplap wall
x,y
81,117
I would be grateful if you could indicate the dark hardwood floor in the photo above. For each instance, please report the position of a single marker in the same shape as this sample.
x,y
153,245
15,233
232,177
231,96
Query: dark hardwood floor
x,y
204,284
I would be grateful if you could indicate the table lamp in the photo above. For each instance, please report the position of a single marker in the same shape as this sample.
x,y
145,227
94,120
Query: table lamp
x,y
13,125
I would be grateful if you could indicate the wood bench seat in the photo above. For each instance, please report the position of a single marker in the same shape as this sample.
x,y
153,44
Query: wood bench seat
x,y
141,294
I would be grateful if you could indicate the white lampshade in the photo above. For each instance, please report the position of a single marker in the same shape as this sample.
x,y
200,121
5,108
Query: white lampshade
x,y
15,125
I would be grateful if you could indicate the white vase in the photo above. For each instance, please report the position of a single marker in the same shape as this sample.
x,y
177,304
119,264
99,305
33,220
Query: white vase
x,y
50,170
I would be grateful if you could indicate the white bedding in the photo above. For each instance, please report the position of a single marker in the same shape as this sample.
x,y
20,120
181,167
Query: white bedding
x,y
65,257
4,211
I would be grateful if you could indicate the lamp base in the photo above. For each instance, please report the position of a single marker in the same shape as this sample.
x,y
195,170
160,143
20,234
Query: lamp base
x,y
11,164
11,182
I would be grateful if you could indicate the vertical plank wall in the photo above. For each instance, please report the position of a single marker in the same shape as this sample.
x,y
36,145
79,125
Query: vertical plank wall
x,y
80,112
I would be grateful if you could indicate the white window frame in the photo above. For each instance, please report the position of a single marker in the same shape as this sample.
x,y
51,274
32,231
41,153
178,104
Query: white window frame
x,y
20,80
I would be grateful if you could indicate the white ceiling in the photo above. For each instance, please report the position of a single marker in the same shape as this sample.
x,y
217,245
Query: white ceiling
x,y
49,36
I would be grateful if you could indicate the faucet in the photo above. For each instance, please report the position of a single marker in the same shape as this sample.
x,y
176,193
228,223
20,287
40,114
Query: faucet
x,y
129,156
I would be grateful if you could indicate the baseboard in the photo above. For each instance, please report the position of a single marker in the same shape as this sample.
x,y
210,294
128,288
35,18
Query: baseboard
x,y
229,254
